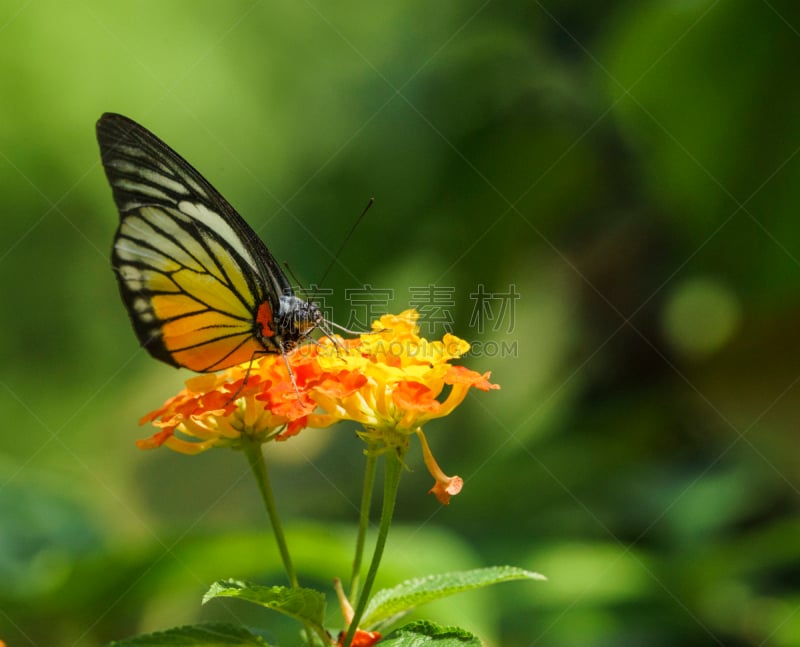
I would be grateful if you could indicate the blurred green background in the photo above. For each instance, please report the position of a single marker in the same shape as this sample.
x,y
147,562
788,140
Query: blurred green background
x,y
629,169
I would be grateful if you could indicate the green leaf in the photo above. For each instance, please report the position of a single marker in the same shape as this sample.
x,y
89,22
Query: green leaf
x,y
423,632
387,604
305,605
210,635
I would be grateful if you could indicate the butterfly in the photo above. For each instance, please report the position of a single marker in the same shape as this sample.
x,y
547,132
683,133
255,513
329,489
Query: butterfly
x,y
202,290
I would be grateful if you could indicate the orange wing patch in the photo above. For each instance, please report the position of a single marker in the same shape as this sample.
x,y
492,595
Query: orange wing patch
x,y
219,354
265,319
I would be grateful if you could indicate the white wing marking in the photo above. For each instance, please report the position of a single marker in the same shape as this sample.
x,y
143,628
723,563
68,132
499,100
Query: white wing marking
x,y
219,226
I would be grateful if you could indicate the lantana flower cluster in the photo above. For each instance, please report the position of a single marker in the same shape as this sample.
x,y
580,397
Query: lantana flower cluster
x,y
391,381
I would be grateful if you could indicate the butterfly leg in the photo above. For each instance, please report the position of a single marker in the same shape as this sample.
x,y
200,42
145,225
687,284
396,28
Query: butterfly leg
x,y
291,373
238,391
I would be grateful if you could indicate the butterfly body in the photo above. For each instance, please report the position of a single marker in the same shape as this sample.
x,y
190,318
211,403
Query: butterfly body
x,y
202,290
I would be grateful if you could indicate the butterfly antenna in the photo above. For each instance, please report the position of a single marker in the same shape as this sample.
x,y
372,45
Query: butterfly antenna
x,y
344,242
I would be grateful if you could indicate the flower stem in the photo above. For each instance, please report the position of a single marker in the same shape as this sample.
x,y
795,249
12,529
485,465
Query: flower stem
x,y
363,524
392,470
259,468
258,465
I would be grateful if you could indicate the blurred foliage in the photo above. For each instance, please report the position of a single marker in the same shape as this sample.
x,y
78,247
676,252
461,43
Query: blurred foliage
x,y
630,168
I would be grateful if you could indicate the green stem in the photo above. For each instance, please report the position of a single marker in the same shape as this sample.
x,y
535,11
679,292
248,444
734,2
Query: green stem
x,y
393,468
259,467
363,524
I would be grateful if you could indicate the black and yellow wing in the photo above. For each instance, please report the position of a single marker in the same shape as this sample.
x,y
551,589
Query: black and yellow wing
x,y
201,288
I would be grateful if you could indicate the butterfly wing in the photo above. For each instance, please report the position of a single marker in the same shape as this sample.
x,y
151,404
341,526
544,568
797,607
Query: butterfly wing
x,y
197,281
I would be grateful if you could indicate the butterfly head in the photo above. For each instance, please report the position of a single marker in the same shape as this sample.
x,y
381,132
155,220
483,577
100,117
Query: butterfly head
x,y
297,318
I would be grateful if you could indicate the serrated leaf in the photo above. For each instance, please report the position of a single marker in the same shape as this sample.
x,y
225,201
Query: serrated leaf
x,y
305,605
428,634
210,635
389,603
